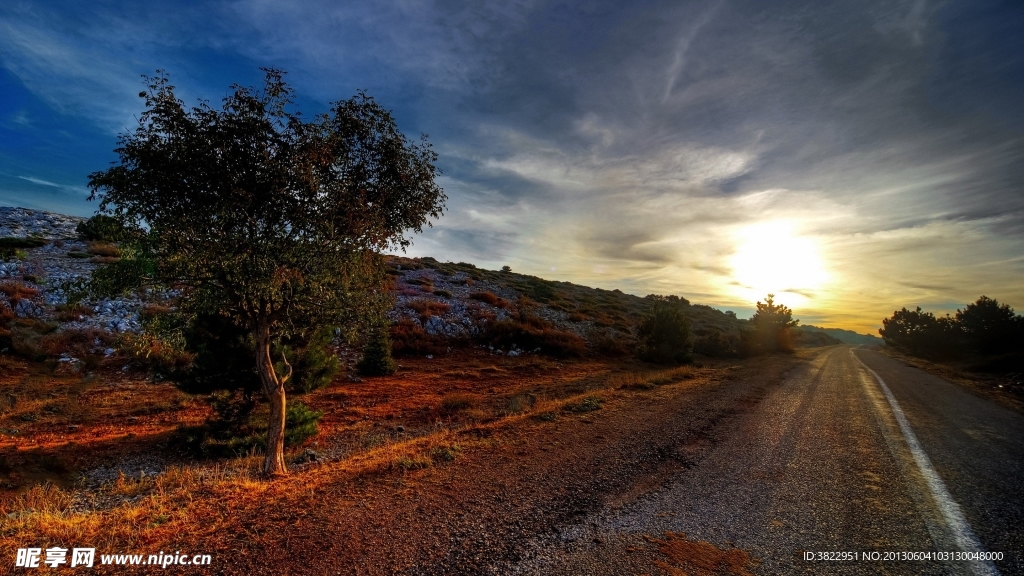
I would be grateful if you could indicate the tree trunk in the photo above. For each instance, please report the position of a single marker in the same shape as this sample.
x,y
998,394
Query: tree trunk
x,y
273,387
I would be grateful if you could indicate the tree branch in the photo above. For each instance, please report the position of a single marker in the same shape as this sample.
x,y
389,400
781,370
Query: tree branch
x,y
289,374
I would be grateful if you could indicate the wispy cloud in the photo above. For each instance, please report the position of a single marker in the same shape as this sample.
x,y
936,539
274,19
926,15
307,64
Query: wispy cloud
x,y
40,181
629,145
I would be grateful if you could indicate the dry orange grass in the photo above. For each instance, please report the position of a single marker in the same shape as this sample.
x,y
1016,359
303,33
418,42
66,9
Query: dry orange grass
x,y
188,504
645,380
103,250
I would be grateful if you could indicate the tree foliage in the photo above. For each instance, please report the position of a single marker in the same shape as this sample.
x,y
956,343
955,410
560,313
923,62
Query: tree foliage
x,y
989,327
377,359
268,219
770,328
984,327
665,332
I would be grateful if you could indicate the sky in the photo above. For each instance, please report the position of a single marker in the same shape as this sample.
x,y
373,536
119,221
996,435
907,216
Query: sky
x,y
851,157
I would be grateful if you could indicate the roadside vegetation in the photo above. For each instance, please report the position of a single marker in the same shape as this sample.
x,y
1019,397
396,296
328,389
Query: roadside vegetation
x,y
981,345
985,331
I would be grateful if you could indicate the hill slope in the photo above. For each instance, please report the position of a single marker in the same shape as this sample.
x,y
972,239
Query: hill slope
x,y
847,336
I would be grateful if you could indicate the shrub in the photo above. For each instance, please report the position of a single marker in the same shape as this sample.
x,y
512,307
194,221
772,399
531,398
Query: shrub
x,y
427,308
24,335
532,333
104,249
578,317
16,291
77,343
122,276
665,334
521,403
102,228
235,430
11,247
611,344
588,404
443,293
223,354
314,363
408,337
457,401
301,423
71,312
489,298
715,343
155,355
445,453
377,359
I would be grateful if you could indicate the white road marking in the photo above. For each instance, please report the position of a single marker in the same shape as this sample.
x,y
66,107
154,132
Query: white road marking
x,y
954,517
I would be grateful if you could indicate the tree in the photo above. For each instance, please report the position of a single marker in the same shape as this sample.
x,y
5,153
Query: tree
x,y
921,333
990,327
771,324
270,220
377,359
665,332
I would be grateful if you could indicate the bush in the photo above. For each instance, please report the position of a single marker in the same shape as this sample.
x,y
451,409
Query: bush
x,y
301,423
102,228
223,355
665,334
377,359
76,343
155,355
71,312
103,249
489,298
314,364
444,453
457,401
235,430
713,342
613,345
532,333
24,336
588,404
10,246
427,308
408,337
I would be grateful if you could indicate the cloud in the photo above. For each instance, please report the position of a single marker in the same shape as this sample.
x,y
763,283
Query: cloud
x,y
40,182
628,145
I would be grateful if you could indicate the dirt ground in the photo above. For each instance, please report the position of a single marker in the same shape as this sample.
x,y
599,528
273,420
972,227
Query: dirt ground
x,y
447,467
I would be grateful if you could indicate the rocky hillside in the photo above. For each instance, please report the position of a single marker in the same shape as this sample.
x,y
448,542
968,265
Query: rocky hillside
x,y
434,301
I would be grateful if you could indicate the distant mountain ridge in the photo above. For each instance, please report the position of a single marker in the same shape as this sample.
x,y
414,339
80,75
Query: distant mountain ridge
x,y
846,336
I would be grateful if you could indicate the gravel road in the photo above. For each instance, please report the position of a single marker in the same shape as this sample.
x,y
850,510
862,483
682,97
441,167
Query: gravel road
x,y
827,462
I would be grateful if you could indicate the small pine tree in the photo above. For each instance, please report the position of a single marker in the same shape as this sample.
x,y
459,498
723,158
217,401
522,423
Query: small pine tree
x,y
377,359
771,328
665,334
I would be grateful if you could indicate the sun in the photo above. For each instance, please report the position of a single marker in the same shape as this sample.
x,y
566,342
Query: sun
x,y
771,258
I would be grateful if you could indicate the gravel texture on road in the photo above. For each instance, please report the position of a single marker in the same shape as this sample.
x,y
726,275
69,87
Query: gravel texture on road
x,y
818,465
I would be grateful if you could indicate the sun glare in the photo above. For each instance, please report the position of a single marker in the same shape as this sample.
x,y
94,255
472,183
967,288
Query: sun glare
x,y
770,258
